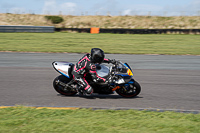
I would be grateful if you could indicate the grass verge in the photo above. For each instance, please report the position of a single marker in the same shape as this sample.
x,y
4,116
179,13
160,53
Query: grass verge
x,y
110,43
23,119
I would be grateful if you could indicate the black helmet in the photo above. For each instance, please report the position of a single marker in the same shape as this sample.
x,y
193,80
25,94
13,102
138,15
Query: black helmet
x,y
97,55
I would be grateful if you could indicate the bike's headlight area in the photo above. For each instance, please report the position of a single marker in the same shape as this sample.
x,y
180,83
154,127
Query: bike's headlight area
x,y
129,72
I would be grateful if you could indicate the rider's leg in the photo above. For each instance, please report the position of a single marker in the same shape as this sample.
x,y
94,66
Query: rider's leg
x,y
84,84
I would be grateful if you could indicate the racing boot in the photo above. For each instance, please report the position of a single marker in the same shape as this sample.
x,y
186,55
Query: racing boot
x,y
89,90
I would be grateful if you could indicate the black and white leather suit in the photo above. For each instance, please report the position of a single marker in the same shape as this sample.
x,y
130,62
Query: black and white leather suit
x,y
83,67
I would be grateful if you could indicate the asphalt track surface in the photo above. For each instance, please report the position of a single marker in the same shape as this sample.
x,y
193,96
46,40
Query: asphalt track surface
x,y
169,82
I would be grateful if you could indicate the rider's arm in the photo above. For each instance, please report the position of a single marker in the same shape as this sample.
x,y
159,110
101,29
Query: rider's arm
x,y
106,60
95,76
109,61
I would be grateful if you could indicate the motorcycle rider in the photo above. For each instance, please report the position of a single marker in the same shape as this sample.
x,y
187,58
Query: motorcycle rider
x,y
87,65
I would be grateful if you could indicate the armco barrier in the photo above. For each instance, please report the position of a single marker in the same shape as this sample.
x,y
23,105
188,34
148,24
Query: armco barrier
x,y
134,31
41,29
80,30
51,29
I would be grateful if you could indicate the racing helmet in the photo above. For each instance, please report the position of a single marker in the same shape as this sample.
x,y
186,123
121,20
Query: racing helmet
x,y
97,55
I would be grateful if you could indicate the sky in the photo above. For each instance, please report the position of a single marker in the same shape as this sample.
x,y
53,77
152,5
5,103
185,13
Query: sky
x,y
102,7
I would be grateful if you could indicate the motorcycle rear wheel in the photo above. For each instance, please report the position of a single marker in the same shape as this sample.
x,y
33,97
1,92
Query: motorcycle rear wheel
x,y
60,89
134,90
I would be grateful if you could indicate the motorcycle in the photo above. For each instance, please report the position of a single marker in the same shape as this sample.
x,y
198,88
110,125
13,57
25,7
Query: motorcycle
x,y
121,75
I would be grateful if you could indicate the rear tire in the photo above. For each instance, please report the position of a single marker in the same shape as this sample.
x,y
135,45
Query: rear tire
x,y
60,89
134,90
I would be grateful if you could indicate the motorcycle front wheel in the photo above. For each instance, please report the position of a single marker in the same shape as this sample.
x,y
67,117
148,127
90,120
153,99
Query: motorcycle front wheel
x,y
61,89
132,90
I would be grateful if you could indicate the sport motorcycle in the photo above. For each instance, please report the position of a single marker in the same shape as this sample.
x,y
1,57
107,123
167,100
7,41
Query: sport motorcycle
x,y
120,77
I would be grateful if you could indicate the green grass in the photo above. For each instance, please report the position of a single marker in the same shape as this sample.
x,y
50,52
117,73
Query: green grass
x,y
110,43
30,120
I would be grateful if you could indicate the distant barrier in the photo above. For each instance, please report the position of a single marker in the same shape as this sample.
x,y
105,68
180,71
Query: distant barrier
x,y
134,31
79,30
51,29
151,31
40,29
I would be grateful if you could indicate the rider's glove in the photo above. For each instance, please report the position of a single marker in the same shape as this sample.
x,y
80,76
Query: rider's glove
x,y
113,61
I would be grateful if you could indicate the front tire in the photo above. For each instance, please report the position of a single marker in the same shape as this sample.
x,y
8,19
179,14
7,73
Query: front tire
x,y
60,89
133,90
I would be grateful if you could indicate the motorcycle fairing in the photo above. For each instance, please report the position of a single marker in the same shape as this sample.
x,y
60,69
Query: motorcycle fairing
x,y
63,67
125,74
129,71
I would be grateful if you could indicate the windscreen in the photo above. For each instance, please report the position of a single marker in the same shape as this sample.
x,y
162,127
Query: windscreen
x,y
102,70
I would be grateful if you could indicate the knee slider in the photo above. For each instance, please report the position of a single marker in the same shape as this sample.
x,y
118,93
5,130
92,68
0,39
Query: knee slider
x,y
89,90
